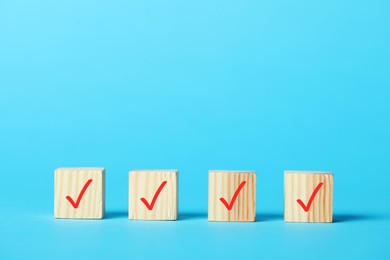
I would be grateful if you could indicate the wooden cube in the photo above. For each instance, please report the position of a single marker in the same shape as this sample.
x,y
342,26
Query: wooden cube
x,y
153,194
232,196
79,193
308,196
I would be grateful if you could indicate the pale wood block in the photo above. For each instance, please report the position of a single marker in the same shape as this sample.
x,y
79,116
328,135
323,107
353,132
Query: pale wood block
x,y
153,194
79,193
308,196
232,196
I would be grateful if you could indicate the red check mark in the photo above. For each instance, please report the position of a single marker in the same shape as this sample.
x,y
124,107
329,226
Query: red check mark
x,y
76,205
235,195
151,205
306,208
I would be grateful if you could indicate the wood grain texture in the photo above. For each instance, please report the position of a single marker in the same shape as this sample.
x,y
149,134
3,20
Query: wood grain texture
x,y
300,185
70,182
144,184
223,184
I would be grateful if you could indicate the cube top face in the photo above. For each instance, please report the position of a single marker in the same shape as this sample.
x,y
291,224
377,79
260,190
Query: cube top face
x,y
308,196
79,193
91,169
231,172
232,195
153,194
157,171
306,172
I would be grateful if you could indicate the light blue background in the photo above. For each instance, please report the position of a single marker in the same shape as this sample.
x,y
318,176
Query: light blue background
x,y
257,85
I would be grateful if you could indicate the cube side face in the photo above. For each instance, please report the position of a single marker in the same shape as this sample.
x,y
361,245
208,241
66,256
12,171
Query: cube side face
x,y
145,185
71,182
224,184
316,199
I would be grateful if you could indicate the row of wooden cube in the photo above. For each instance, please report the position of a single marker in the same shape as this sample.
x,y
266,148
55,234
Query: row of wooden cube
x,y
153,195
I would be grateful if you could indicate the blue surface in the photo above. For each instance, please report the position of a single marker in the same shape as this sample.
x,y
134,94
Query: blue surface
x,y
257,85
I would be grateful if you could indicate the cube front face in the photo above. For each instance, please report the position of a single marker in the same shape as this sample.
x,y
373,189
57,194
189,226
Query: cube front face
x,y
153,195
79,193
308,196
232,196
